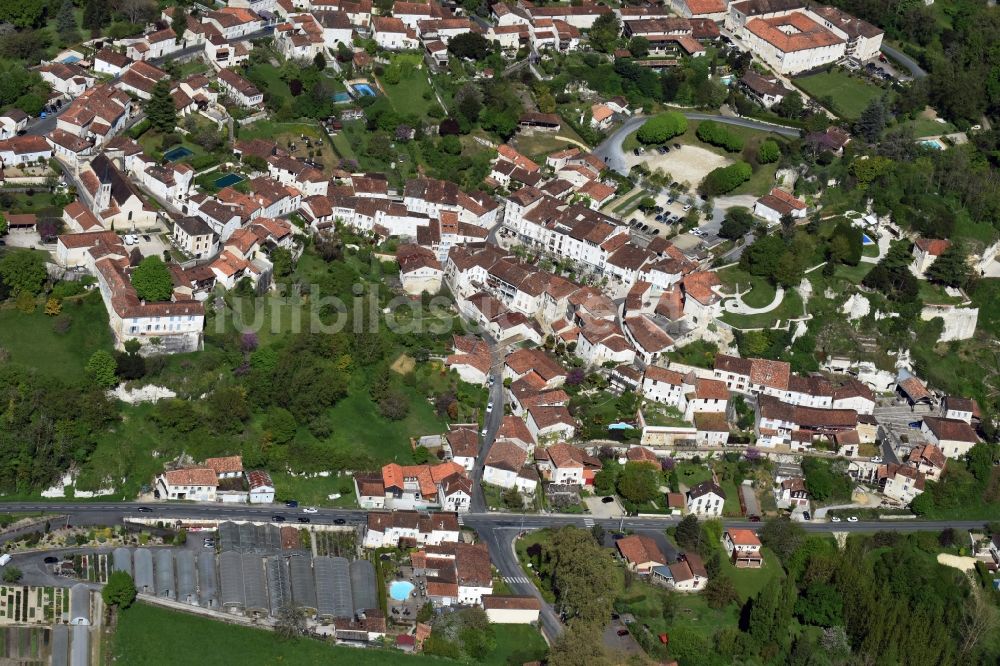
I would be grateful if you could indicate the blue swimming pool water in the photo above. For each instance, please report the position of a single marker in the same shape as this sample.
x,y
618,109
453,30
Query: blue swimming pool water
x,y
341,97
866,240
400,590
932,143
69,60
364,89
228,179
177,154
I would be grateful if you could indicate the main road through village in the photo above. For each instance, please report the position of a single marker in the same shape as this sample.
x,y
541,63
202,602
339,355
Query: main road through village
x,y
497,530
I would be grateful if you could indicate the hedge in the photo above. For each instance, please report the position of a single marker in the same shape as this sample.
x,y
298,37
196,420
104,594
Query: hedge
x,y
662,127
716,134
725,179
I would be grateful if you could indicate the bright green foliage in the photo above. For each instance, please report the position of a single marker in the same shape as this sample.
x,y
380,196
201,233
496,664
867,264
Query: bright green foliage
x,y
725,179
101,368
23,271
662,127
717,134
768,152
119,592
152,281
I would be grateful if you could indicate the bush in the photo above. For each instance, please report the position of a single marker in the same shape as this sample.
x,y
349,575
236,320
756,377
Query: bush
x,y
768,152
662,127
725,179
199,162
716,134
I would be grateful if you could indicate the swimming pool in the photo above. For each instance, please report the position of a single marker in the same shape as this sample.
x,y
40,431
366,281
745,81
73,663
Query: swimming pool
x,y
363,89
178,153
932,143
69,60
399,590
228,179
341,97
866,240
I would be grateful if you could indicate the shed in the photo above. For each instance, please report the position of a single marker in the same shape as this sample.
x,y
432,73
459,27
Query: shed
x,y
187,581
142,560
364,589
303,584
165,585
333,587
208,580
79,605
122,560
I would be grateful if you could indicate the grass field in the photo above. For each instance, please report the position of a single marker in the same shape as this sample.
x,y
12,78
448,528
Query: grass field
x,y
761,292
291,133
791,307
212,642
537,145
850,95
748,582
31,340
407,96
215,642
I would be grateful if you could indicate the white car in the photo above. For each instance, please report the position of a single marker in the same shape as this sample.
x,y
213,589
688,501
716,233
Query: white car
x,y
483,432
876,459
852,519
835,519
687,207
310,509
489,406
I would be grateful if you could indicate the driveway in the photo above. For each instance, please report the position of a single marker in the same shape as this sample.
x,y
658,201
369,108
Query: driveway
x,y
598,509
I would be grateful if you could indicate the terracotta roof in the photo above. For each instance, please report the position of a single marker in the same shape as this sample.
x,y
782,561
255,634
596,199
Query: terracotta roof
x,y
192,476
891,470
928,455
464,442
711,422
640,549
227,464
782,202
258,478
711,389
932,246
915,389
545,417
534,360
951,429
806,417
742,537
792,32
513,427
650,337
506,455
562,455
510,602
642,454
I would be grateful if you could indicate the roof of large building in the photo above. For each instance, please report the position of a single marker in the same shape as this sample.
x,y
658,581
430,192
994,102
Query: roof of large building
x,y
951,429
793,32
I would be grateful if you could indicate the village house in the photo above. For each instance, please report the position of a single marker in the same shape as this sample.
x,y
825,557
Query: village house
x,y
461,445
239,89
567,465
194,483
391,34
900,483
194,237
792,493
510,609
929,460
12,123
687,574
641,553
772,207
443,486
386,529
925,252
952,436
419,270
765,90
26,149
743,548
506,467
706,499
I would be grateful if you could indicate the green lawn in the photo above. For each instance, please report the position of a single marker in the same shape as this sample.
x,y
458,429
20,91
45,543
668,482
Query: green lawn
x,y
537,145
286,133
31,339
853,274
791,307
760,183
516,644
407,96
748,582
928,127
934,294
761,292
851,95
182,638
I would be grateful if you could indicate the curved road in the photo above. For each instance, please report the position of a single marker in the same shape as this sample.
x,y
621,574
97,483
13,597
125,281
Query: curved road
x,y
916,71
611,152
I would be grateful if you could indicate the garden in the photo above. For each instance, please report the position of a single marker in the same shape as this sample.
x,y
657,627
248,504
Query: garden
x,y
845,94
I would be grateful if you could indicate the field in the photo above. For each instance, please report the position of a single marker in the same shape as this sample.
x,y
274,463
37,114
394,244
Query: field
x,y
285,134
850,95
214,642
31,340
761,291
748,582
408,96
537,145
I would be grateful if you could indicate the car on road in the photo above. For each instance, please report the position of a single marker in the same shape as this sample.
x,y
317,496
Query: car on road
x,y
876,459
51,560
916,424
607,500
292,504
483,432
310,509
697,232
304,519
145,237
339,521
278,519
807,516
144,509
835,519
852,519
208,544
489,406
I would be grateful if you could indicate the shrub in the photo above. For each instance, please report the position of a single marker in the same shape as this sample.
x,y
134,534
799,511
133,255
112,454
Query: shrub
x,y
662,127
725,179
716,134
768,152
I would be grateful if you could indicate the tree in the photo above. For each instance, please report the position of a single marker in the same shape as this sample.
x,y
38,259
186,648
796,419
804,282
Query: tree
x,y
716,134
737,222
782,536
639,47
53,307
66,22
11,574
951,268
469,45
3,224
688,533
291,622
606,480
820,604
647,204
581,574
96,14
281,424
790,106
639,482
394,406
24,13
151,280
720,592
578,645
319,62
160,108
725,179
872,121
281,257
604,33
662,127
477,635
23,271
768,152
101,369
119,592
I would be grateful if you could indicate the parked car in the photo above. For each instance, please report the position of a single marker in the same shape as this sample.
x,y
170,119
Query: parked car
x,y
807,516
292,504
636,152
662,150
51,560
835,519
278,519
852,519
607,500
483,432
310,509
144,509
304,519
623,632
489,406
339,521
659,218
686,207
677,146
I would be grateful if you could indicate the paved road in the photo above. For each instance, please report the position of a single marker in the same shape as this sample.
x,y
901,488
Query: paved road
x,y
491,422
906,61
610,149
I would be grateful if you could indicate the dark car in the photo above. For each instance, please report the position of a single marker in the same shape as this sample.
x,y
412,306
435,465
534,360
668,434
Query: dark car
x,y
144,509
304,519
636,152
278,519
677,146
623,632
339,521
291,504
51,560
607,500
807,515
